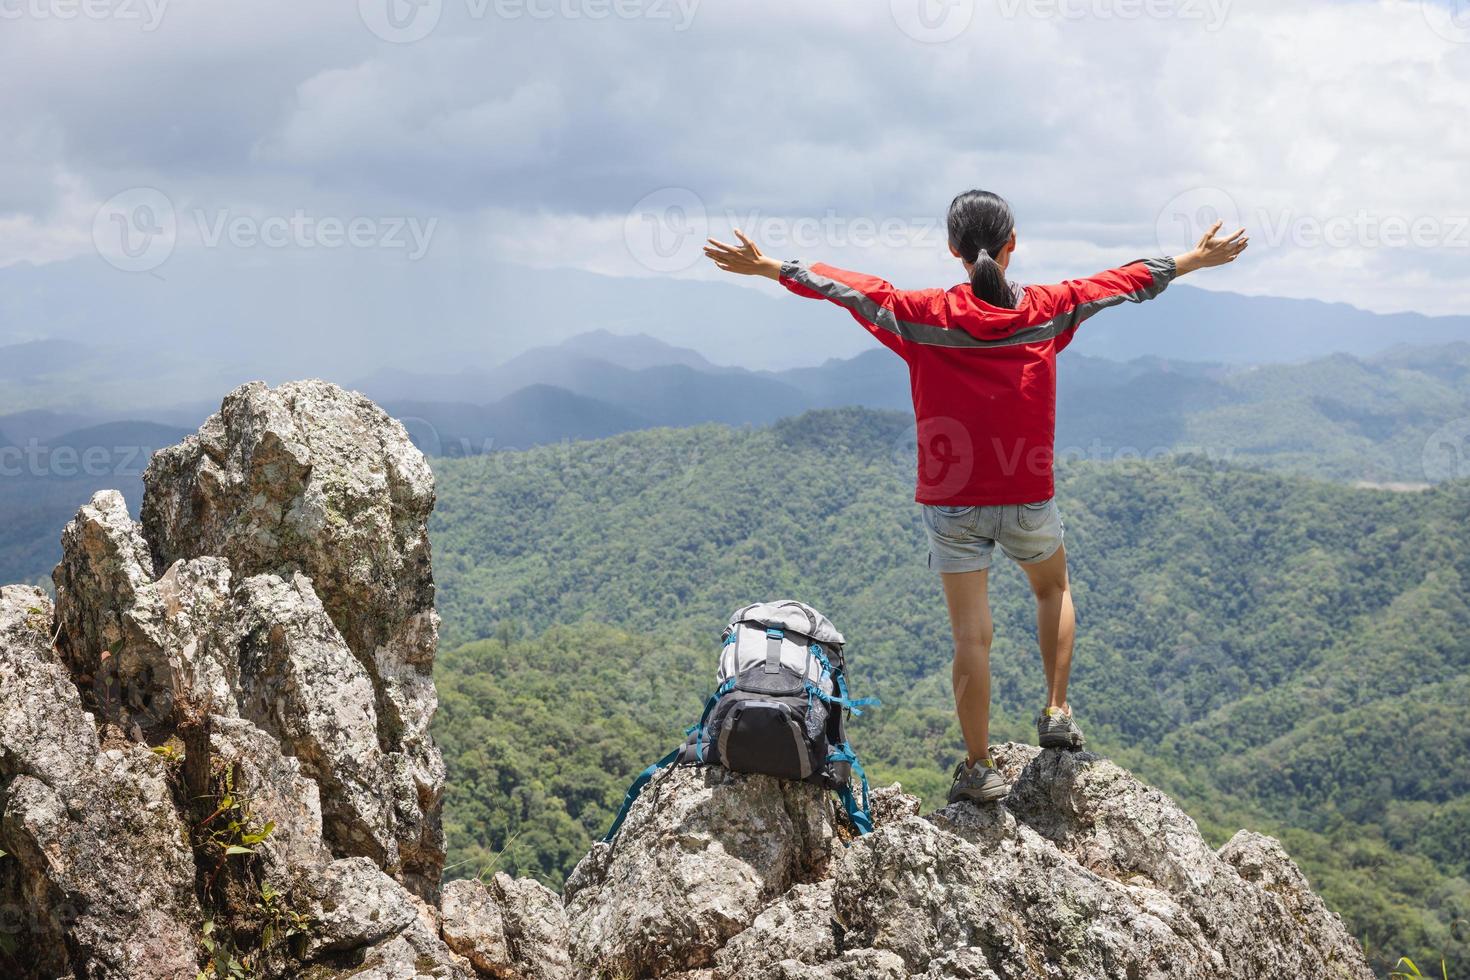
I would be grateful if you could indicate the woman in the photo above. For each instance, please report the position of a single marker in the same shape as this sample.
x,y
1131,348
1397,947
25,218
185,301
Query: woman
x,y
982,368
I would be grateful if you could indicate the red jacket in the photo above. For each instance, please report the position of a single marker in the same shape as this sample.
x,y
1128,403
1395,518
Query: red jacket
x,y
983,378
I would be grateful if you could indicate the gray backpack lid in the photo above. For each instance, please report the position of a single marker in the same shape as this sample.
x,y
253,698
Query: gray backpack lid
x,y
789,614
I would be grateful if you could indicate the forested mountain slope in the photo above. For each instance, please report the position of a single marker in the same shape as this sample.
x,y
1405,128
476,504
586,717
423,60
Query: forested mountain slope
x,y
1273,651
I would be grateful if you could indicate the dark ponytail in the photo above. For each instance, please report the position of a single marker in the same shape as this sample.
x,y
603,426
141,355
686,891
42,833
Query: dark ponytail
x,y
980,224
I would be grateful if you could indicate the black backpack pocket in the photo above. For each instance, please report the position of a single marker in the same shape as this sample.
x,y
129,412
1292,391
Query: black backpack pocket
x,y
764,735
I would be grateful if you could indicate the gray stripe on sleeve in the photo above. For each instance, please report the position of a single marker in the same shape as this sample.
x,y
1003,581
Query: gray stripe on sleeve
x,y
1163,271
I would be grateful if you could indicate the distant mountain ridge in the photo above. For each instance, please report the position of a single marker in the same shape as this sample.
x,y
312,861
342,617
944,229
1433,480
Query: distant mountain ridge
x,y
276,322
1338,416
1401,418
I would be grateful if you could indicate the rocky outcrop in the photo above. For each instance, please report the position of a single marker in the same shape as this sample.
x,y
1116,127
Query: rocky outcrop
x,y
308,479
100,866
1081,872
214,755
215,748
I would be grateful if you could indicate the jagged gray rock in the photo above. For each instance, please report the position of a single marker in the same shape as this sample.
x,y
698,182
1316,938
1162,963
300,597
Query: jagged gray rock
x,y
299,682
196,652
280,794
104,562
416,953
1082,872
513,928
102,860
693,864
353,903
137,645
794,931
308,478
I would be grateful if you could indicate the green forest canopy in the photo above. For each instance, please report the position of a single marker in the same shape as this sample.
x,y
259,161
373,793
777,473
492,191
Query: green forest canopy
x,y
1275,652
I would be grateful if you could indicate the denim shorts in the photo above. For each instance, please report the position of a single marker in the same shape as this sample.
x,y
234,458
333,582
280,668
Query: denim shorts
x,y
962,539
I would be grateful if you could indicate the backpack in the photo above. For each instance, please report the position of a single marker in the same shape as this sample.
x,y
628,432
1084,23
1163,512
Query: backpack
x,y
779,707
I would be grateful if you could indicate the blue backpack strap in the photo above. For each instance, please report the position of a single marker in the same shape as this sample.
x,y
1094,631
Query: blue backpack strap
x,y
643,777
852,704
709,706
637,788
861,817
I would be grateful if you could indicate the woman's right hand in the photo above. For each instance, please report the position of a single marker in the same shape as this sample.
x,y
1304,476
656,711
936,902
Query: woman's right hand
x,y
1212,251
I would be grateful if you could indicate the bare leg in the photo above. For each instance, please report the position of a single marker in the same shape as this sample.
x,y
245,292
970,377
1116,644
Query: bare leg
x,y
1056,623
966,594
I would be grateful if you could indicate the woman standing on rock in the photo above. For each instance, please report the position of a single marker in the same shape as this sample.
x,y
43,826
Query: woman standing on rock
x,y
982,367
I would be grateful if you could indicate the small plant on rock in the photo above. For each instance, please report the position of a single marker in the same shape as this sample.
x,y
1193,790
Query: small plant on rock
x,y
1410,971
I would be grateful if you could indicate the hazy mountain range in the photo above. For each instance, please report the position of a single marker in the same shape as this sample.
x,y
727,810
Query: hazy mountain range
x,y
205,322
1396,417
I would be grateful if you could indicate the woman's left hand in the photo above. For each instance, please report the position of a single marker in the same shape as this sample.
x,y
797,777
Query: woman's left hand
x,y
744,259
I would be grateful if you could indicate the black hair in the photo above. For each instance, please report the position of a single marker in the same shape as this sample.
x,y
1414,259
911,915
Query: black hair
x,y
980,224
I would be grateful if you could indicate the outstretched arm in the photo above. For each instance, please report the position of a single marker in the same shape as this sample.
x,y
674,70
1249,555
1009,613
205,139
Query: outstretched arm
x,y
896,317
1067,304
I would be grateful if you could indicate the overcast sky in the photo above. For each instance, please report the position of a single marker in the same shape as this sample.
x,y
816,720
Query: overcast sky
x,y
608,135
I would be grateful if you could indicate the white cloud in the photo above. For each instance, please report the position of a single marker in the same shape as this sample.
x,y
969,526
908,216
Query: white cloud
x,y
543,132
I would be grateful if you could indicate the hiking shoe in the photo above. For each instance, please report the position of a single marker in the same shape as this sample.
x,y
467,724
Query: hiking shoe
x,y
1055,729
979,783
